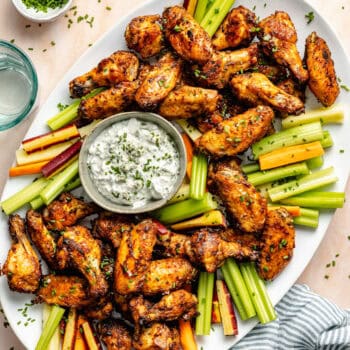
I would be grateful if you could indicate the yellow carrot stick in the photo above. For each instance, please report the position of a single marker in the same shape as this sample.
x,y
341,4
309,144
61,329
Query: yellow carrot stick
x,y
187,339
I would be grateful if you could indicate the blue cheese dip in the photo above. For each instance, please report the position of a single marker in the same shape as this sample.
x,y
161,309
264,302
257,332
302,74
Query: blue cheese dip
x,y
133,162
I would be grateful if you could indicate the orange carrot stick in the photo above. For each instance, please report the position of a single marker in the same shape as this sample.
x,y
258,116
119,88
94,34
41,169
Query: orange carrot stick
x,y
292,209
187,339
189,152
80,343
28,169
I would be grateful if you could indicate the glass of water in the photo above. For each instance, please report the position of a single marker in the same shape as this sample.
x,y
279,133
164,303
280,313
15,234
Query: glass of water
x,y
18,85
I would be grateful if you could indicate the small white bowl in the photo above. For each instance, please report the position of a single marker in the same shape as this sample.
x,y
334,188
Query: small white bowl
x,y
39,16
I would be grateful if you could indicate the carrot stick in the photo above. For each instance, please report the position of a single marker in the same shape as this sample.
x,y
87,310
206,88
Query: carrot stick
x,y
290,155
189,152
292,209
80,343
28,169
187,339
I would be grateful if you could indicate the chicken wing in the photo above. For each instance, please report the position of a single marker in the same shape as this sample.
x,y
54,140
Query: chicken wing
x,y
250,240
144,35
243,202
278,242
42,238
77,248
159,82
100,309
186,36
171,307
189,101
108,102
278,38
22,266
66,211
291,87
115,335
256,88
118,67
237,29
224,64
235,135
271,69
323,80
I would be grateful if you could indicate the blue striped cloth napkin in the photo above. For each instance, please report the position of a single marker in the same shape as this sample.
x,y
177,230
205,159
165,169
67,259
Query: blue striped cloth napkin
x,y
305,321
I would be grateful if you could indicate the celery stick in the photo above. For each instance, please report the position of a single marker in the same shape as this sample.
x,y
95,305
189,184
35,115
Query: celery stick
x,y
290,137
327,140
314,163
306,183
263,177
51,324
200,10
257,290
334,114
250,168
208,303
320,200
55,342
201,294
189,129
186,209
305,221
309,213
198,182
24,196
36,203
182,194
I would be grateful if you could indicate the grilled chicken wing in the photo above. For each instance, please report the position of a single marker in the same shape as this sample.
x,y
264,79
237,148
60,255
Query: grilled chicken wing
x,y
41,237
99,311
291,87
224,64
250,240
234,135
159,82
118,67
77,248
278,241
270,68
237,29
108,102
65,291
144,35
115,335
22,266
189,101
66,211
278,37
186,36
256,88
243,202
323,80
157,336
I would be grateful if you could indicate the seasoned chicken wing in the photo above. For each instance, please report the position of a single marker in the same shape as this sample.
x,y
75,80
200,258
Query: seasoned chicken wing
x,y
22,266
250,240
270,68
243,202
256,88
118,67
189,101
144,35
323,80
115,335
100,309
186,36
42,238
237,29
291,87
66,211
224,64
278,38
278,241
159,82
235,135
77,248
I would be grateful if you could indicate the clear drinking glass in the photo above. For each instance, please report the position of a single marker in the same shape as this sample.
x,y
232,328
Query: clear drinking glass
x,y
18,85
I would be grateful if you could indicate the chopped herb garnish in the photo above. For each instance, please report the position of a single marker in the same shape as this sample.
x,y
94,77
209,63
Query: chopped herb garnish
x,y
310,17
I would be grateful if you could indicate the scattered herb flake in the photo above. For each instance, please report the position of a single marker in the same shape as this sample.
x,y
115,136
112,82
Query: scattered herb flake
x,y
310,17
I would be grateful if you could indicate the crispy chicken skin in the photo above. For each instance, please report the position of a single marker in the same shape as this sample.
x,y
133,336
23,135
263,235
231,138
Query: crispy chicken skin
x,y
145,36
99,311
223,65
65,291
237,29
171,307
235,135
22,266
108,102
256,88
115,335
323,80
278,38
278,241
158,83
41,237
189,101
243,202
270,68
66,211
291,87
250,240
77,248
158,336
118,67
186,36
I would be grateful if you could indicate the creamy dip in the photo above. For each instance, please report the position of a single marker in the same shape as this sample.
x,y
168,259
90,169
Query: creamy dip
x,y
134,162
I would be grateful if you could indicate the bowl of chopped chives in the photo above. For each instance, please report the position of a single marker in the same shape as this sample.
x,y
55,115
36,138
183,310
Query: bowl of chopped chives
x,y
42,10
